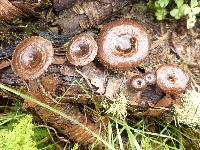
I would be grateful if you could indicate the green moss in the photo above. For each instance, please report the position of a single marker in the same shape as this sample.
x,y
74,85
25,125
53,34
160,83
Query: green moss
x,y
19,137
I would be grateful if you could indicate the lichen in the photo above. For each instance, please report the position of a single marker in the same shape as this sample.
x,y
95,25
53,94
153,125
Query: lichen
x,y
189,112
119,107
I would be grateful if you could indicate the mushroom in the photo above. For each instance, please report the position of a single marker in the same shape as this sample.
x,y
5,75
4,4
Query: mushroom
x,y
82,50
32,57
137,82
150,78
171,79
123,44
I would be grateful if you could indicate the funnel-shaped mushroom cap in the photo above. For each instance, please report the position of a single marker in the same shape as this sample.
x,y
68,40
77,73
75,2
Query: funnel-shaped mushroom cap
x,y
32,57
150,78
138,83
171,79
123,44
82,50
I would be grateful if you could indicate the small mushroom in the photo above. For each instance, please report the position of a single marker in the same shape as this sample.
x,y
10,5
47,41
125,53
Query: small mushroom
x,y
32,57
137,82
82,50
150,78
123,44
171,79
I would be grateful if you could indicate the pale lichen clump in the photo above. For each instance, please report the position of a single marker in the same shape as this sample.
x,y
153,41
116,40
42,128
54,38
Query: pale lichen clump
x,y
189,112
119,107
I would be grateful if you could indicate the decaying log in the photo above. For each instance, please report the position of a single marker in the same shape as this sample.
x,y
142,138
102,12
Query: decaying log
x,y
80,85
64,126
86,14
59,5
10,11
63,85
46,89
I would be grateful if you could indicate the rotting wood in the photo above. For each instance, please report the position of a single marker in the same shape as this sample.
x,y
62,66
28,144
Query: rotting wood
x,y
74,88
86,14
15,9
59,5
73,131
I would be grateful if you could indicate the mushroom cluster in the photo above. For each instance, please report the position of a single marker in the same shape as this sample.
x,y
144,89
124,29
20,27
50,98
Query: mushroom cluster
x,y
169,78
140,82
121,45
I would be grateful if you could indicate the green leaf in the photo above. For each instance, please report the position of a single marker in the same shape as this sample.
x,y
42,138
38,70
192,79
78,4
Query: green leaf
x,y
174,13
182,9
161,3
191,21
157,5
161,14
187,10
132,140
110,133
193,3
151,5
196,10
178,12
179,3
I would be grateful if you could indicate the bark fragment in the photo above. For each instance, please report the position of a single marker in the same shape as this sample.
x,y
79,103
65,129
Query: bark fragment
x,y
86,14
59,5
10,11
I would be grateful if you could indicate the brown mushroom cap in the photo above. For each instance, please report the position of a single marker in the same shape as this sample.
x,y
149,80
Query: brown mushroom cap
x,y
138,83
150,78
32,57
123,44
82,50
171,79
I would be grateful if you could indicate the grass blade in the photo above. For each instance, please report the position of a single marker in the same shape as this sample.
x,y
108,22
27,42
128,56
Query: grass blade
x,y
132,140
119,137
